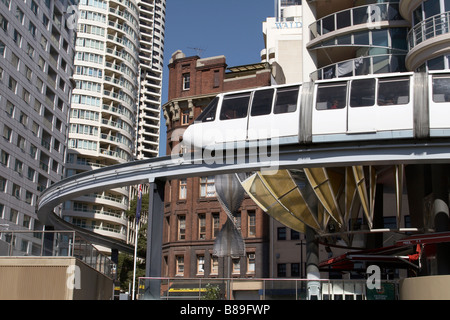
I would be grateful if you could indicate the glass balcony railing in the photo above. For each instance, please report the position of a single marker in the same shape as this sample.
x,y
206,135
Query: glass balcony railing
x,y
17,243
362,66
371,14
429,28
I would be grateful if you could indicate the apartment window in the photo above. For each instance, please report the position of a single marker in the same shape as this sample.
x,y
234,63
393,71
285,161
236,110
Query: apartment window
x,y
15,61
180,265
28,73
186,81
281,270
214,265
21,142
13,214
4,158
34,7
26,221
19,15
18,167
181,227
23,117
182,195
2,187
7,133
201,226
236,266
26,97
215,224
30,174
281,233
207,187
17,37
16,191
185,117
32,29
2,49
251,224
30,50
12,84
295,269
216,78
251,262
3,23
28,197
295,235
200,264
33,151
9,108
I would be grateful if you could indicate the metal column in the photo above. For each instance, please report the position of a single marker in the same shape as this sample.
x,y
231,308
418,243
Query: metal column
x,y
154,239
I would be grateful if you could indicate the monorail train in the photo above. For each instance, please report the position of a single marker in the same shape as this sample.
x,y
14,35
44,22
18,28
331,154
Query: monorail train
x,y
361,108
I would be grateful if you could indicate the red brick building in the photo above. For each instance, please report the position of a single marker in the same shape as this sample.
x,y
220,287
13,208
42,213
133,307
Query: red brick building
x,y
192,214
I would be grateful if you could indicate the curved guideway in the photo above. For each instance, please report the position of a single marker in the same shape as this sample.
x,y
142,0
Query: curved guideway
x,y
197,164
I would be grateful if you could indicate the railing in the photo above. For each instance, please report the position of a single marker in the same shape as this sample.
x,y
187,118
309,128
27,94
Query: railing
x,y
264,289
53,244
429,28
362,66
372,13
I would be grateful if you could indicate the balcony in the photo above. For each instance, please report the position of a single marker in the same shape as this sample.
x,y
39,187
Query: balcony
x,y
368,16
428,39
362,66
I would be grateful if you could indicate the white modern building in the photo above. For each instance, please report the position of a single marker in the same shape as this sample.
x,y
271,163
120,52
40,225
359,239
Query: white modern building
x,y
115,105
152,26
102,129
36,54
283,37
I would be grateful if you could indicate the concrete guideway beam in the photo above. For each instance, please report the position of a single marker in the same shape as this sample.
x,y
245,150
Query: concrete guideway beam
x,y
292,156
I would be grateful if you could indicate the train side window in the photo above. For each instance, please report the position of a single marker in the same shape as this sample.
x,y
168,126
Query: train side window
x,y
441,90
286,100
393,91
363,93
262,102
209,114
234,106
331,96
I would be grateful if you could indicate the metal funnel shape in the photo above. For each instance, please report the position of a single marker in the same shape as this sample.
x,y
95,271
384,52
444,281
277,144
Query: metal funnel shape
x,y
229,242
230,193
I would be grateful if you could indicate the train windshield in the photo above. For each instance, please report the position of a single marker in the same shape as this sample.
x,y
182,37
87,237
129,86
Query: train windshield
x,y
235,106
209,114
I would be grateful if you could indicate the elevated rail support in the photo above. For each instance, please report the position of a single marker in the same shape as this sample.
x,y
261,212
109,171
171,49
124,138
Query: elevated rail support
x,y
441,216
312,265
154,239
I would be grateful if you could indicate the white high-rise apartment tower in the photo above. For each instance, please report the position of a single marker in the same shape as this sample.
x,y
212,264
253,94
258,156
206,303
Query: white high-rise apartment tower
x,y
152,25
36,54
115,52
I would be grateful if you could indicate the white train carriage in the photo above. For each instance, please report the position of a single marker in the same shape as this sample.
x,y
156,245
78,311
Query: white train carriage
x,y
362,108
439,104
252,115
372,107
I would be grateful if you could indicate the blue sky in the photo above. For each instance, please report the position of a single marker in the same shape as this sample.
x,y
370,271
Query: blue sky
x,y
232,28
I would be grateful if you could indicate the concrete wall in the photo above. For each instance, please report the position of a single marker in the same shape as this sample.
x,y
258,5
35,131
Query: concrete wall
x,y
51,278
425,288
